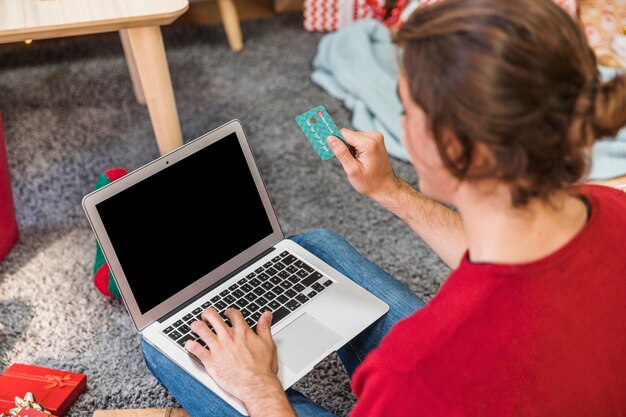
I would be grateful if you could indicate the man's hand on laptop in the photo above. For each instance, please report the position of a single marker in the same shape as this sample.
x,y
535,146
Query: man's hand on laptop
x,y
242,362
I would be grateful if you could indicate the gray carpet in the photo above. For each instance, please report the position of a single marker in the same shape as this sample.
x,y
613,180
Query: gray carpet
x,y
69,114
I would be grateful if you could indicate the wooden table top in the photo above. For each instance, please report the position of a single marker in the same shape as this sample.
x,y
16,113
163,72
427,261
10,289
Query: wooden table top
x,y
42,19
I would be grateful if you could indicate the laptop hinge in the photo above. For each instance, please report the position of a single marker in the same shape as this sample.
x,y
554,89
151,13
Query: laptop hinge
x,y
212,287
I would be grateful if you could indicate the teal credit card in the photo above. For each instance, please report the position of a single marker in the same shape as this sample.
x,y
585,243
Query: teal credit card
x,y
317,126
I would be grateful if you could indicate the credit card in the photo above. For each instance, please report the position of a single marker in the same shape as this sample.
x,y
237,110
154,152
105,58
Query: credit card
x,y
317,126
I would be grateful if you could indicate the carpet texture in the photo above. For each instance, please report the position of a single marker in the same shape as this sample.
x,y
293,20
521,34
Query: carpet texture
x,y
70,113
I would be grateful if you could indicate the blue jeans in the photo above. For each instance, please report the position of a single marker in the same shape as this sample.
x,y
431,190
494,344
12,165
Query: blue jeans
x,y
198,400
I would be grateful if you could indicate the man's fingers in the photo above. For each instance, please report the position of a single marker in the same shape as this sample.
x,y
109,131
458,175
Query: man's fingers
x,y
236,318
343,154
362,142
356,139
198,351
264,326
352,138
213,318
201,329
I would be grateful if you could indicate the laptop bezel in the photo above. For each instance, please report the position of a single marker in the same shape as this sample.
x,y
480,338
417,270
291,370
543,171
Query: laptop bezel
x,y
90,201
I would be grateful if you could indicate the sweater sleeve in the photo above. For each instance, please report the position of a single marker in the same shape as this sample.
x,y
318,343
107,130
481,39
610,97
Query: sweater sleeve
x,y
383,391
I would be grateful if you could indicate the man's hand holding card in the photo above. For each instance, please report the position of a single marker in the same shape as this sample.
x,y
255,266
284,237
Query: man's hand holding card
x,y
362,154
317,126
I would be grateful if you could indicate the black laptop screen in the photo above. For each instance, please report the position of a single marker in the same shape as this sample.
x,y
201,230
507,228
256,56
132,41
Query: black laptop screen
x,y
176,226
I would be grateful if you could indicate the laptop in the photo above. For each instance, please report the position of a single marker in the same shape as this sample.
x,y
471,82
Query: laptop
x,y
195,229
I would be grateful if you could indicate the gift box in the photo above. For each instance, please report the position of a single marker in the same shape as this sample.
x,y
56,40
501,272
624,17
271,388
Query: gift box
x,y
330,15
605,25
9,233
32,412
54,389
27,407
142,412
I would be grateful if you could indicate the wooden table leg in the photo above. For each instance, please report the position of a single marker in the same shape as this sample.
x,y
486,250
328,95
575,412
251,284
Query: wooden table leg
x,y
132,67
146,45
230,19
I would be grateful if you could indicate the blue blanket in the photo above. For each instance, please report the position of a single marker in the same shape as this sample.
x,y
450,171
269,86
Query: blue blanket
x,y
358,64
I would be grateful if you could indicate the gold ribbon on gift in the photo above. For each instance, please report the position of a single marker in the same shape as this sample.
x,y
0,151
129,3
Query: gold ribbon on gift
x,y
57,381
27,402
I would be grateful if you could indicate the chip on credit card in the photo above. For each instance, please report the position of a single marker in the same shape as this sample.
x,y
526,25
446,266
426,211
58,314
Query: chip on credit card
x,y
317,126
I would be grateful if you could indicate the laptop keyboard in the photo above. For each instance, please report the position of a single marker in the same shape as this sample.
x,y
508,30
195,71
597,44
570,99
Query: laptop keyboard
x,y
281,285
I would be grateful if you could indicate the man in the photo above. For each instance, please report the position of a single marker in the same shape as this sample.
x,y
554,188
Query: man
x,y
502,101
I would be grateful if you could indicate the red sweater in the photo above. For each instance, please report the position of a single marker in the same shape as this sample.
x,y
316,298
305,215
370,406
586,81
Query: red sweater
x,y
546,338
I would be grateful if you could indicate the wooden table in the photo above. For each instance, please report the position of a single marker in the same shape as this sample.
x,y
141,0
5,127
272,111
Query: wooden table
x,y
138,22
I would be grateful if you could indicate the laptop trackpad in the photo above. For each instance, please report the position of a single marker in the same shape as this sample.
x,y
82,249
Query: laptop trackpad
x,y
302,341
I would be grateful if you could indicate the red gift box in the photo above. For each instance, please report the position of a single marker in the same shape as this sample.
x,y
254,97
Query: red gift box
x,y
9,232
54,389
31,412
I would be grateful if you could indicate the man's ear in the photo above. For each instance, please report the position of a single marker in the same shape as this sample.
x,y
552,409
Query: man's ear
x,y
483,161
473,158
451,145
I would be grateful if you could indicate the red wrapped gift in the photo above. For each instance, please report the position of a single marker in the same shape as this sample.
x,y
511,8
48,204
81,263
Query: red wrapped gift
x,y
54,389
31,412
26,407
9,232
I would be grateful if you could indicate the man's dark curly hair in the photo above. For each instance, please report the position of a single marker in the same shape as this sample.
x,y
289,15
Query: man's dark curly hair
x,y
517,77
